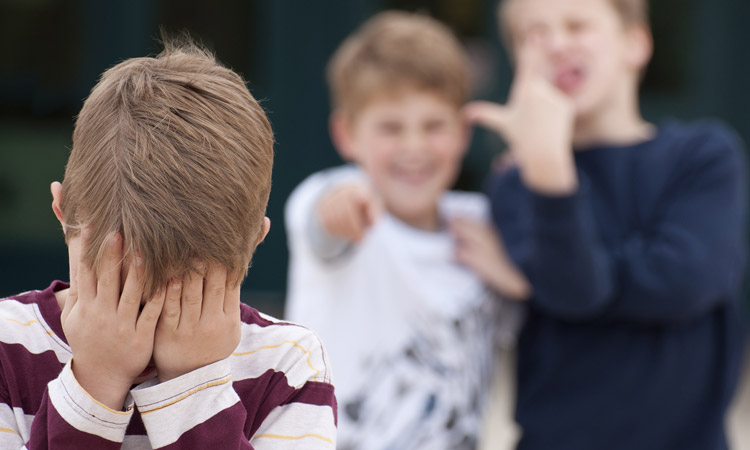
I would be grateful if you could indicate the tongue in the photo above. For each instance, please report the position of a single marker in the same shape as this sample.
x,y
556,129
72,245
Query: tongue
x,y
568,80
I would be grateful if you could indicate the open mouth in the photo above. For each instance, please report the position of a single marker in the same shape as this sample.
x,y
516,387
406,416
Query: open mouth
x,y
412,176
569,79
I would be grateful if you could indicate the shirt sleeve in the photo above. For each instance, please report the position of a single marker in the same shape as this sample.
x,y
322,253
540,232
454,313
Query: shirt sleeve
x,y
202,410
197,410
690,259
303,225
68,418
305,417
694,257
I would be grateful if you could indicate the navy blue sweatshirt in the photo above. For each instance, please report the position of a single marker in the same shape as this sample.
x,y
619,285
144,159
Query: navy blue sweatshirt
x,y
634,338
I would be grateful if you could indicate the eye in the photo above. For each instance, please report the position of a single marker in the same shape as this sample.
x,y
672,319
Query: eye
x,y
435,125
576,26
389,128
535,31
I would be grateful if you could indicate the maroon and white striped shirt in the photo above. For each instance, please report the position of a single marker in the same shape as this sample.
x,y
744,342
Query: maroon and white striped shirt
x,y
274,392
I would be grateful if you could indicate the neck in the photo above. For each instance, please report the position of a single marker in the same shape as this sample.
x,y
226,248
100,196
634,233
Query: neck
x,y
426,222
618,122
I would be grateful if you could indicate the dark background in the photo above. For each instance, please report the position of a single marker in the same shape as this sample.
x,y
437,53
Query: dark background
x,y
52,52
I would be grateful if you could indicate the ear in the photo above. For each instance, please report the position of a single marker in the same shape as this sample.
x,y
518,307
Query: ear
x,y
339,126
266,229
641,47
56,189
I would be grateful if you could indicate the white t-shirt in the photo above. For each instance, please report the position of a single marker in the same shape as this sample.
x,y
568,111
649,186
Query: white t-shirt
x,y
410,333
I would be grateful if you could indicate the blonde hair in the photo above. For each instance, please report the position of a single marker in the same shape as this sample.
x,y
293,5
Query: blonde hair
x,y
175,154
394,50
631,12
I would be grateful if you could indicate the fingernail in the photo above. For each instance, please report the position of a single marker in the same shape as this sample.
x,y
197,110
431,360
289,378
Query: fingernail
x,y
138,261
176,285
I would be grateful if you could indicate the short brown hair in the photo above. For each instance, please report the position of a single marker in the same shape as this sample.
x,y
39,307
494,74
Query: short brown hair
x,y
631,12
393,50
174,153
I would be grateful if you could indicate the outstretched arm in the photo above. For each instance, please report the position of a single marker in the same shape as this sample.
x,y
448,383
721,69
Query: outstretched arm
x,y
329,212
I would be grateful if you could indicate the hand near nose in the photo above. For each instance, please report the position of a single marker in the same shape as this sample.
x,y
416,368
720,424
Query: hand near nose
x,y
111,341
349,211
537,123
200,323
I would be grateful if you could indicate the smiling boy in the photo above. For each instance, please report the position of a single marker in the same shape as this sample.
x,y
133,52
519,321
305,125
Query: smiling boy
x,y
375,266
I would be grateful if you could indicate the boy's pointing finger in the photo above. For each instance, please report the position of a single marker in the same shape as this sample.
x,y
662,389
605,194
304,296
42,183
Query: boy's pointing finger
x,y
487,114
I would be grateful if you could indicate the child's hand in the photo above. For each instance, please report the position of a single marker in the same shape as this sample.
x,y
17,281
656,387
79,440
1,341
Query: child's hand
x,y
200,323
111,342
537,123
349,211
480,248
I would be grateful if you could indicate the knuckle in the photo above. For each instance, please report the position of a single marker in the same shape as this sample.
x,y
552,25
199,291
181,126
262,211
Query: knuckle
x,y
216,291
193,299
129,299
172,312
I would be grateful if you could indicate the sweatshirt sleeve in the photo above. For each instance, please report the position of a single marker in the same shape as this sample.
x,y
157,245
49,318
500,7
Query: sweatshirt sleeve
x,y
68,418
305,420
572,274
302,408
201,409
694,257
683,264
197,410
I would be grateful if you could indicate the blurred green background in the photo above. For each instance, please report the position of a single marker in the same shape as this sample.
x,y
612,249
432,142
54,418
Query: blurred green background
x,y
53,51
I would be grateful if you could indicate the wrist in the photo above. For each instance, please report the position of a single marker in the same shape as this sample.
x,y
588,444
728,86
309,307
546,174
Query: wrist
x,y
103,388
552,174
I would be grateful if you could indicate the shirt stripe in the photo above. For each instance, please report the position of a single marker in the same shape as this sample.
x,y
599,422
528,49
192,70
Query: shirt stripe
x,y
276,364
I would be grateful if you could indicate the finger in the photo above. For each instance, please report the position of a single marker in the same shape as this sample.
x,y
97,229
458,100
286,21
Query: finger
x,y
530,60
153,311
462,229
192,298
170,314
232,298
371,209
354,222
489,115
86,277
214,289
132,292
462,256
70,302
108,283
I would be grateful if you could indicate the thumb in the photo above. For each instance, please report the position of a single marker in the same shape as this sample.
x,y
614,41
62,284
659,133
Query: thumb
x,y
372,209
490,115
69,302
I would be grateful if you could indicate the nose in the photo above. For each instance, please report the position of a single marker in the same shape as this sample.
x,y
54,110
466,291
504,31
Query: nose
x,y
557,40
413,142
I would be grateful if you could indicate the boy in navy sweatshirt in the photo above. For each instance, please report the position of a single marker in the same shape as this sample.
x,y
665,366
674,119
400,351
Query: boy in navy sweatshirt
x,y
631,235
